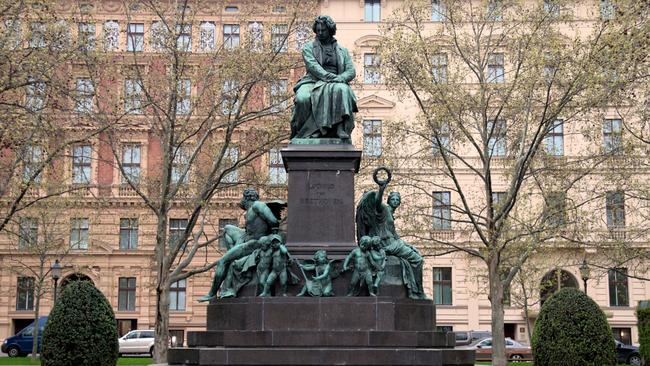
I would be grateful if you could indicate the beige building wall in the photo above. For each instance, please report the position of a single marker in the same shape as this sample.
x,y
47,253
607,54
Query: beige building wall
x,y
104,263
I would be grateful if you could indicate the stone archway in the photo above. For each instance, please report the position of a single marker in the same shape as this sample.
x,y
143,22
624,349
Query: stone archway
x,y
75,277
555,280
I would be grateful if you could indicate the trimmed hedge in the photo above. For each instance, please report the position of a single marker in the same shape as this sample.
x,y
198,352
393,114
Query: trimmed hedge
x,y
572,330
643,317
81,329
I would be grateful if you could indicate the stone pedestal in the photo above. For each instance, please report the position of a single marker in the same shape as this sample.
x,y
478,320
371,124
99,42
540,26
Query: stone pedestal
x,y
320,331
321,204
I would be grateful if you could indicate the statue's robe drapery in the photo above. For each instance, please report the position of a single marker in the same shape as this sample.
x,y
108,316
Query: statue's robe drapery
x,y
320,102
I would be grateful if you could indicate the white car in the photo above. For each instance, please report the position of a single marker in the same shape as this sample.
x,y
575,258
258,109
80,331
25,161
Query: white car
x,y
137,341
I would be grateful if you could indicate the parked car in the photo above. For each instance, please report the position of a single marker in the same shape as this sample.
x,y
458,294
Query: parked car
x,y
628,354
137,341
20,345
464,338
514,350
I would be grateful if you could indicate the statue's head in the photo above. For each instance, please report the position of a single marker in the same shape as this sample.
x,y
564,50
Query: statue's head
x,y
376,242
365,242
320,257
394,199
324,27
250,195
276,242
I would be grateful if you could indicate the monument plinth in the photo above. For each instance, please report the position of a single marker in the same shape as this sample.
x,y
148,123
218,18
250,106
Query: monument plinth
x,y
321,198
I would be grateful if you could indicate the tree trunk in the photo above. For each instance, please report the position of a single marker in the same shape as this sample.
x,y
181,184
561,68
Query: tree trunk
x,y
499,357
161,342
37,307
162,319
527,317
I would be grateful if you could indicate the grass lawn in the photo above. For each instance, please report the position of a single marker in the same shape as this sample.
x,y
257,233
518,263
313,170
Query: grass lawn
x,y
28,361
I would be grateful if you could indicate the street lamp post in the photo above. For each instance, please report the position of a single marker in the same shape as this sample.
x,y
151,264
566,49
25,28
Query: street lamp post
x,y
56,274
585,273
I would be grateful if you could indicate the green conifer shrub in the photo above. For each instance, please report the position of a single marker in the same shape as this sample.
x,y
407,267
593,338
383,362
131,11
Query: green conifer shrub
x,y
572,330
81,329
643,318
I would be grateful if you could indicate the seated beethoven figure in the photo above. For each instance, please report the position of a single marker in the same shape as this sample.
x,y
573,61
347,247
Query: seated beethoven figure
x,y
324,105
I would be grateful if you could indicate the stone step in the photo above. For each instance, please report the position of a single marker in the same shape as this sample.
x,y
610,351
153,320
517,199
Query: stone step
x,y
305,338
320,356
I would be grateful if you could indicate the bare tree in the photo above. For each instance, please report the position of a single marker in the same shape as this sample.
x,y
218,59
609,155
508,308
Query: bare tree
x,y
494,83
211,109
38,239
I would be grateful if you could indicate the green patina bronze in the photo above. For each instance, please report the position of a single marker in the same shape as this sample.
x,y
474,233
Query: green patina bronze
x,y
321,283
376,219
324,104
369,263
235,268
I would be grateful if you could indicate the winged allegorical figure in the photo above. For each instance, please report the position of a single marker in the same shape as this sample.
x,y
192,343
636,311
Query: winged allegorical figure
x,y
375,218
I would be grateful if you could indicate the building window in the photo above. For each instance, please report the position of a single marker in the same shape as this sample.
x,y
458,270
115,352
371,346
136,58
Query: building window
x,y
441,211
615,209
131,157
176,231
37,36
231,158
28,232
497,144
179,166
159,36
35,95
13,31
231,9
371,73
372,137
494,10
128,234
79,233
86,36
442,286
277,173
32,164
207,33
438,11
496,71
607,10
111,35
439,68
177,296
618,294
612,132
135,37
184,40
554,140
25,293
230,36
372,11
133,96
222,225
303,33
497,200
279,37
229,100
255,36
278,97
126,294
183,96
551,7
623,335
441,139
555,209
85,95
81,164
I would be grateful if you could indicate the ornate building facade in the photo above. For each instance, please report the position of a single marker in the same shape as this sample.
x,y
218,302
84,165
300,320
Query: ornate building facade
x,y
112,235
